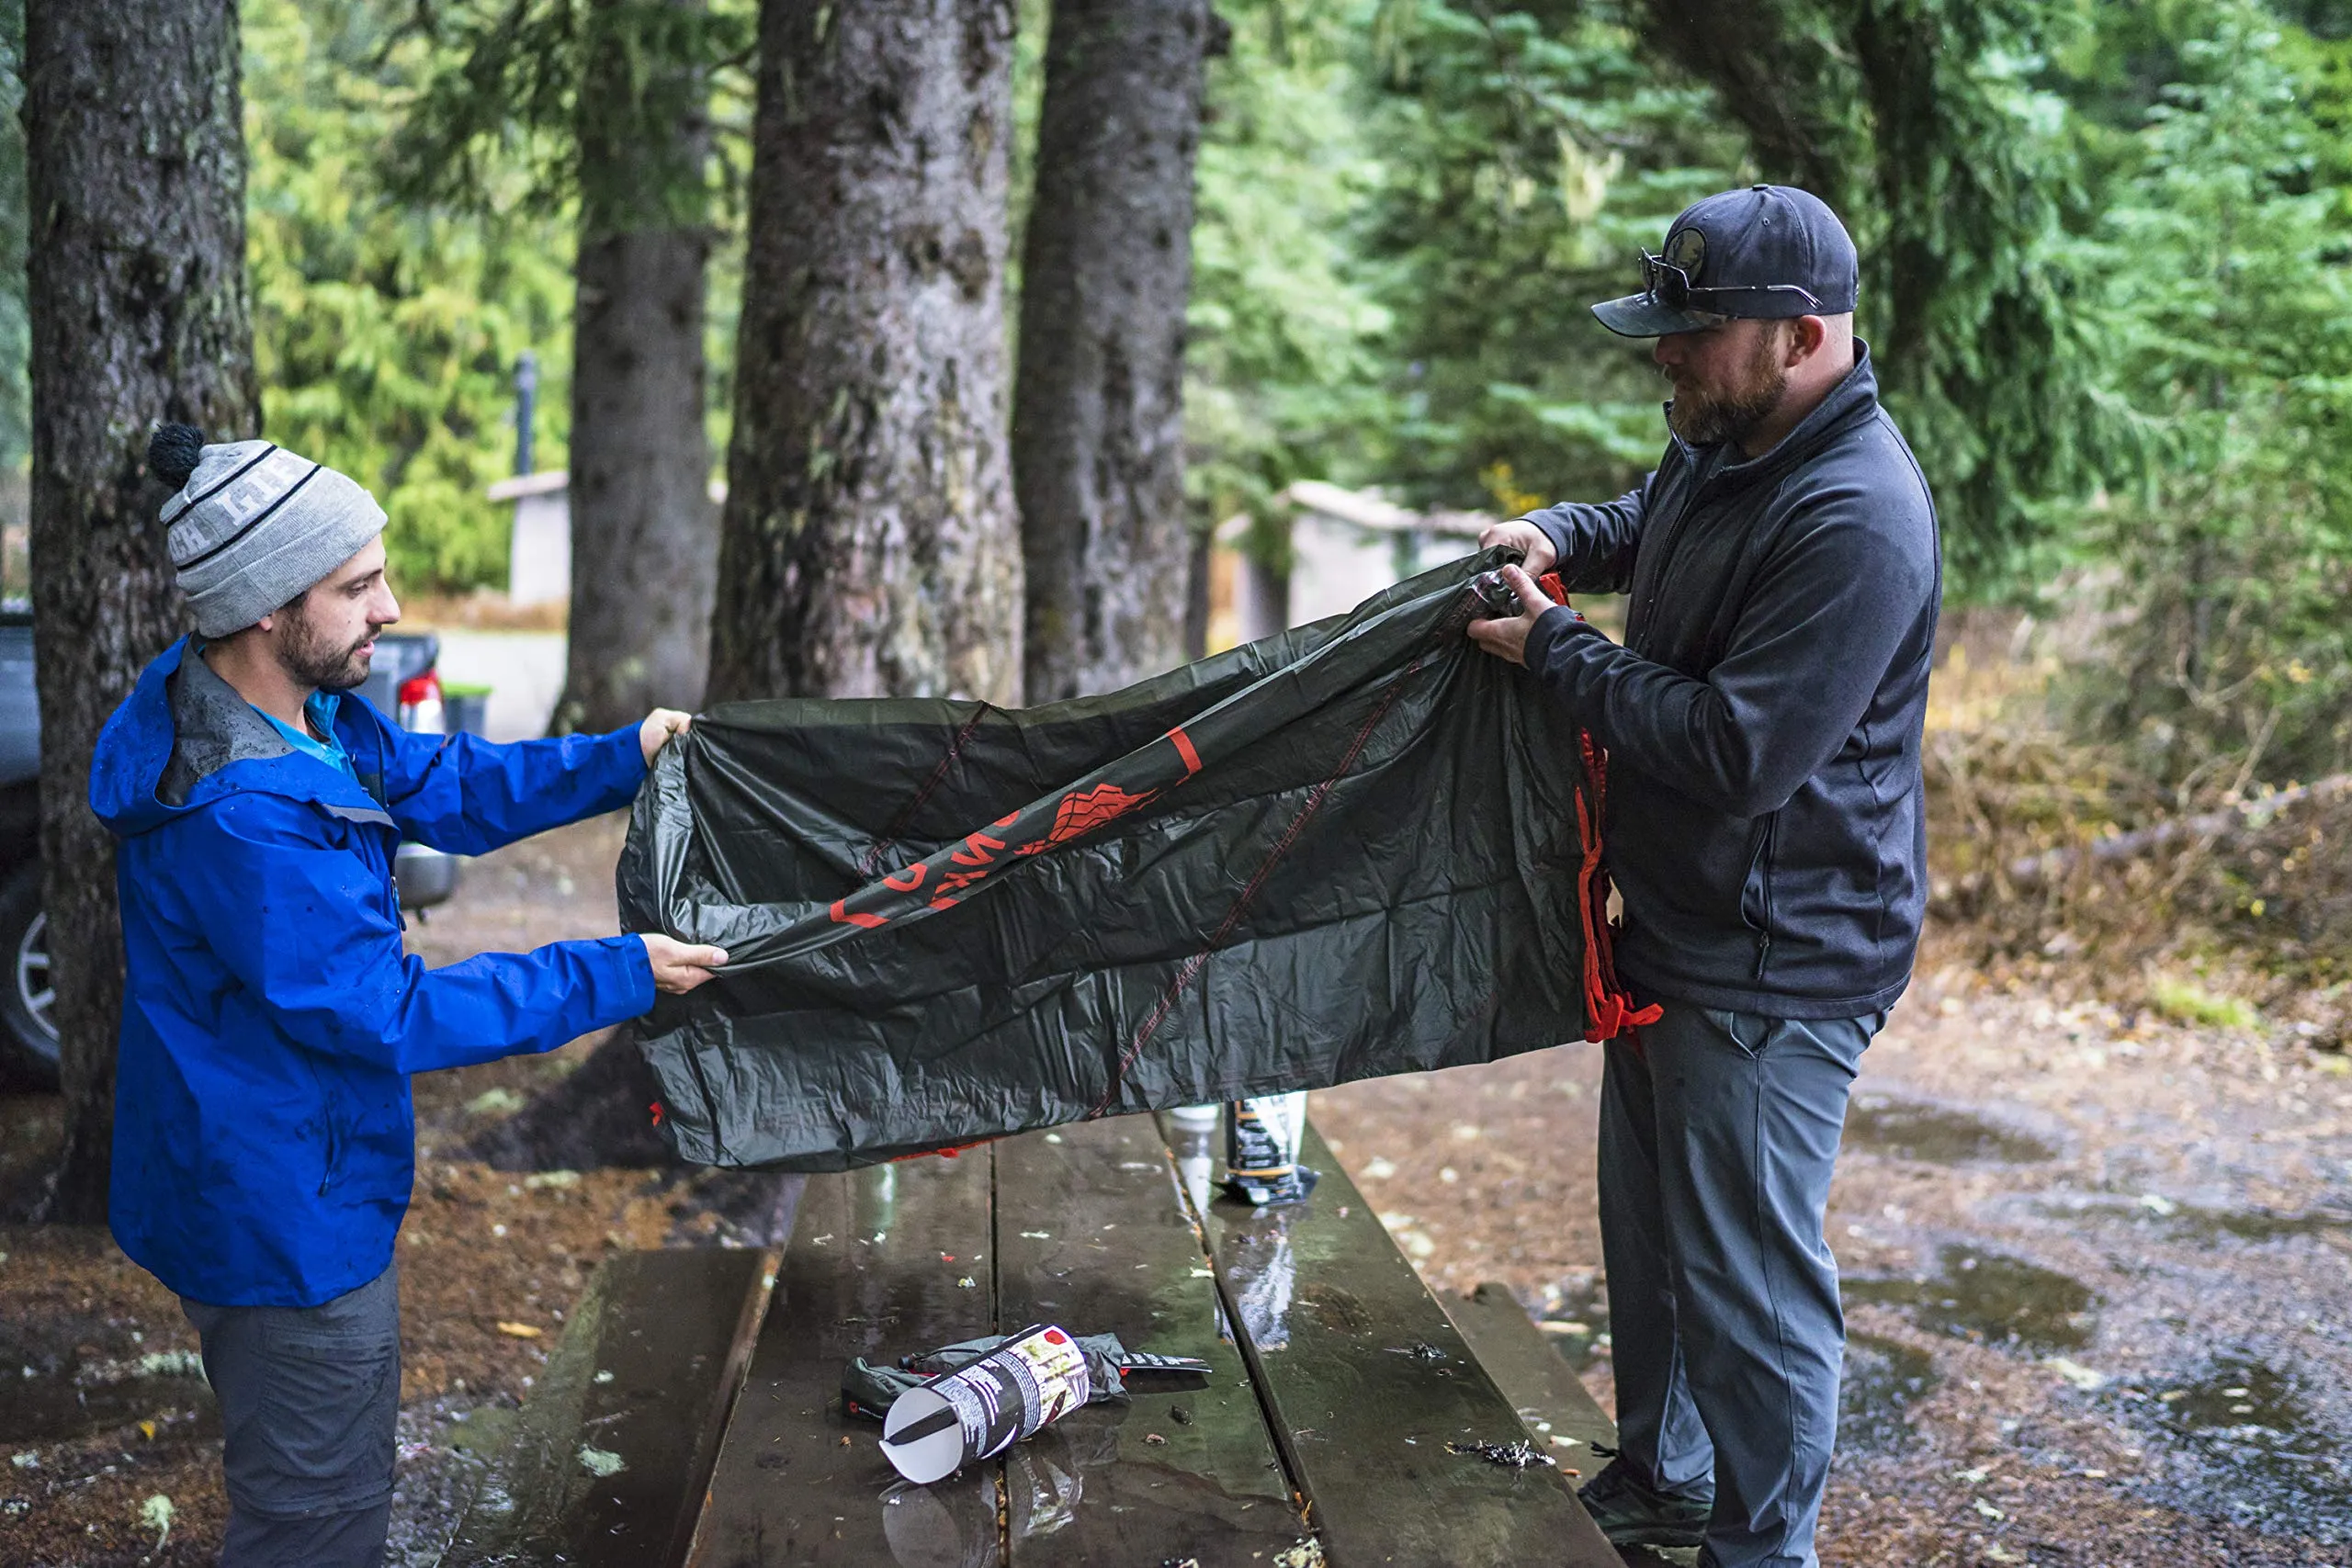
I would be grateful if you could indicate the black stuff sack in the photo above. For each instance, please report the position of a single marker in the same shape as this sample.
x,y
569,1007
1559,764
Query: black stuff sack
x,y
1362,847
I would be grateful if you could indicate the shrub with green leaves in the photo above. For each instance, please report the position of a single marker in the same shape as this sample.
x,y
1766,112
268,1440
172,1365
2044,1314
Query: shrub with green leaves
x,y
387,334
2223,256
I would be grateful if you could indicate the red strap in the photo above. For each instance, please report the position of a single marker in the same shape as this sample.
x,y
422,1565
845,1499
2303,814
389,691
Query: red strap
x,y
941,1154
1608,1005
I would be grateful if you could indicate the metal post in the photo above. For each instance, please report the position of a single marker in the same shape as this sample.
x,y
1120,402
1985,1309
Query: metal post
x,y
527,398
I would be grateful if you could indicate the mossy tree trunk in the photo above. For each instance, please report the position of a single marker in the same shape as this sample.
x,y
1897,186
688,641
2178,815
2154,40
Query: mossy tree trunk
x,y
136,286
869,545
1098,430
644,531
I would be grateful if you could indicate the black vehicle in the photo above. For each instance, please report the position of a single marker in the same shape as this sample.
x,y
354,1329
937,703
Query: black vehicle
x,y
403,685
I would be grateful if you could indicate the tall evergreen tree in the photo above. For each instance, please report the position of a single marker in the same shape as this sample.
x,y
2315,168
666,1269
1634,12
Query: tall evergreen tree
x,y
869,541
1921,122
609,100
1098,440
644,533
136,286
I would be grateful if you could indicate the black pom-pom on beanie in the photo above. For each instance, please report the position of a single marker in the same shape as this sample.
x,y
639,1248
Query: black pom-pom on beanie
x,y
173,452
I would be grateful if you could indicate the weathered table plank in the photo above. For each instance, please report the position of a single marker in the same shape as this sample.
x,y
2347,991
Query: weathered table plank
x,y
1551,1399
1093,1234
877,1267
1368,1380
610,1453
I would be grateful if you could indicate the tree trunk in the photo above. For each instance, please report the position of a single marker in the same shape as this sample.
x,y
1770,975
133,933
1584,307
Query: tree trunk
x,y
869,545
1768,65
644,531
1098,426
136,286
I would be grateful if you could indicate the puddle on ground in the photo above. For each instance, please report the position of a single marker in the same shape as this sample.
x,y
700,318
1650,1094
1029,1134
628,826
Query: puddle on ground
x,y
1911,1129
2194,1222
2257,1225
2276,1466
1986,1297
1882,1379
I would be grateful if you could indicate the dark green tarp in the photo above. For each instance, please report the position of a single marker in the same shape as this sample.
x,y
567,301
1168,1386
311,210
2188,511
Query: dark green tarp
x,y
1349,850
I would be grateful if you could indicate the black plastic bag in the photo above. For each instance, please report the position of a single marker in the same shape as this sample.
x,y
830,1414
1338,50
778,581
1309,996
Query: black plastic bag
x,y
1362,847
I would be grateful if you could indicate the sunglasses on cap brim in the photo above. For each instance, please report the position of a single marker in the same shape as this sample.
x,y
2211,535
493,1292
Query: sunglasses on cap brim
x,y
1671,287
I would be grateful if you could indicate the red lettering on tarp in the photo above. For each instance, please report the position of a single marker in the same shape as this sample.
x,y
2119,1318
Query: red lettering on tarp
x,y
1185,749
978,845
907,881
957,881
843,917
1008,822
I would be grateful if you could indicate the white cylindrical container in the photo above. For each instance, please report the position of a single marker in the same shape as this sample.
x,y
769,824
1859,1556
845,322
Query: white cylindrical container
x,y
959,1417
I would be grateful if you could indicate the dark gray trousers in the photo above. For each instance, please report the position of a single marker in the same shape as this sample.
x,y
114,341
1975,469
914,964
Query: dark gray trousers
x,y
309,1398
1718,1132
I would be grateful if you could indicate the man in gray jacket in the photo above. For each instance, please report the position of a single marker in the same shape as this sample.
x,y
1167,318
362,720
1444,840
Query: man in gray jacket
x,y
1767,830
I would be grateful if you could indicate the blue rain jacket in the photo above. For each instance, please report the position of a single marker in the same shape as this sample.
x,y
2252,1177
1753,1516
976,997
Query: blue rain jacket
x,y
265,1142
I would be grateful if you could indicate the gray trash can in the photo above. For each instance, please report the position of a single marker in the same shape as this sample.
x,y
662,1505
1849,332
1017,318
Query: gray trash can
x,y
465,709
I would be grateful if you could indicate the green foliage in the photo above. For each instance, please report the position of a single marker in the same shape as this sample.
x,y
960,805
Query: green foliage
x,y
1282,373
611,115
1529,153
2224,264
387,334
2104,244
599,103
1988,354
2185,1001
1926,125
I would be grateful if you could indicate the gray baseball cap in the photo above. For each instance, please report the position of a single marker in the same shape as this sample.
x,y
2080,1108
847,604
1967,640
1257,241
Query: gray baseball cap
x,y
1767,252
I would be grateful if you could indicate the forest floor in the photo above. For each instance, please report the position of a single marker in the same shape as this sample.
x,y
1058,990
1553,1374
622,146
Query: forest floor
x,y
2097,1269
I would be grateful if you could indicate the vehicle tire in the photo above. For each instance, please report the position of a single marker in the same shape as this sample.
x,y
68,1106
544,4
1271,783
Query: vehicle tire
x,y
28,1032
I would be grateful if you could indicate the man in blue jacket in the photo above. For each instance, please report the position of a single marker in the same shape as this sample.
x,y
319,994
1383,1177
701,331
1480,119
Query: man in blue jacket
x,y
265,1142
1766,828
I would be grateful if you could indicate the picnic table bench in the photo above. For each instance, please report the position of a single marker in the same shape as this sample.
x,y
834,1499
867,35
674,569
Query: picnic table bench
x,y
691,1413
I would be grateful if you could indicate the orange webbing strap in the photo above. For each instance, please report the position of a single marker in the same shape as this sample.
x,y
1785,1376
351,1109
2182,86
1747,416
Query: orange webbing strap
x,y
949,1152
1608,1005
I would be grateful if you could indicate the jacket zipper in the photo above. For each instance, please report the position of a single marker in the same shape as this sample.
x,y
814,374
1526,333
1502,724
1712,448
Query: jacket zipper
x,y
1670,544
1765,854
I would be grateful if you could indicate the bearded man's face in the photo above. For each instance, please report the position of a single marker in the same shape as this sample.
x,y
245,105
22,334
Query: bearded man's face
x,y
1727,379
327,638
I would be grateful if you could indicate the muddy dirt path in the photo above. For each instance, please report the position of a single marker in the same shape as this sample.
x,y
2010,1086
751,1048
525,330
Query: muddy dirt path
x,y
2097,1268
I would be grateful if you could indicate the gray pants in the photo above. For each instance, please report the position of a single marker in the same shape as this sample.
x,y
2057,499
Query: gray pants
x,y
309,1398
1718,1132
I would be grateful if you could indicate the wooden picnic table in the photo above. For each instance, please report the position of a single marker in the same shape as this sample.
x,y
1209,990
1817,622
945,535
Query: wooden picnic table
x,y
693,1413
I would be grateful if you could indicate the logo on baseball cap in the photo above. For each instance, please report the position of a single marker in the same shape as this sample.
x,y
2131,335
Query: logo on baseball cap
x,y
1764,254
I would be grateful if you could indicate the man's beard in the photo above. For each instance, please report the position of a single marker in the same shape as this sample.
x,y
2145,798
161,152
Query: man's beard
x,y
1704,420
311,658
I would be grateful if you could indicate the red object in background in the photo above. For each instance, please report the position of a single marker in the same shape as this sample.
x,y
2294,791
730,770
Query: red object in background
x,y
424,688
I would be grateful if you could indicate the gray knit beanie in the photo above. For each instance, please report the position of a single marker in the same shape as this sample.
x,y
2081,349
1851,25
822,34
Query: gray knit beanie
x,y
253,527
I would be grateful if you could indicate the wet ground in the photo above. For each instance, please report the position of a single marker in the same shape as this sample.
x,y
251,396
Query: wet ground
x,y
2096,1268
